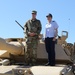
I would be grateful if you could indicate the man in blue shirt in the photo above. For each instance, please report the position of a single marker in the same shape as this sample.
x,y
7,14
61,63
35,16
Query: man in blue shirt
x,y
51,31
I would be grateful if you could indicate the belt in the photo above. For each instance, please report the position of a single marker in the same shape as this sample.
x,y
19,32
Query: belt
x,y
50,37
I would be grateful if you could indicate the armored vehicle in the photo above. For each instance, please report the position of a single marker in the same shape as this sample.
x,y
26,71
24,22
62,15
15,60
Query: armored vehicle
x,y
12,57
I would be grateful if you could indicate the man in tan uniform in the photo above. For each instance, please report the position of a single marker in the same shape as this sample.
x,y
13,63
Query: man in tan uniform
x,y
32,31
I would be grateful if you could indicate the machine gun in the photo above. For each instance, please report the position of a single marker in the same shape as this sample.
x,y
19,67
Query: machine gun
x,y
20,41
19,24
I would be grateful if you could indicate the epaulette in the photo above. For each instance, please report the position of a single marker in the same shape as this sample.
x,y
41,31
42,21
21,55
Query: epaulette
x,y
53,21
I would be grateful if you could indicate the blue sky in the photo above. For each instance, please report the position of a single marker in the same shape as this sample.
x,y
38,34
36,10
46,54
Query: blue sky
x,y
20,10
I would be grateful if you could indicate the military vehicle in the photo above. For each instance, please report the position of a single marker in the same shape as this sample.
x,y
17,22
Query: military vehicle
x,y
12,57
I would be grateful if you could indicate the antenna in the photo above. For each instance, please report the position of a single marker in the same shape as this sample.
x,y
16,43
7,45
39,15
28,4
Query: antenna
x,y
69,29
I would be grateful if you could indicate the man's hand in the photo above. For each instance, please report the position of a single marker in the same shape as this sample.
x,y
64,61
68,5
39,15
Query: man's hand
x,y
32,34
54,39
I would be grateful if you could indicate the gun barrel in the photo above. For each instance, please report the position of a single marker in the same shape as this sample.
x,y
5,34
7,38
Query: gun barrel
x,y
19,24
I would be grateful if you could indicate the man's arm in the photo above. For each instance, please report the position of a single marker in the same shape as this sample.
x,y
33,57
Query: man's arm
x,y
56,32
39,28
26,29
56,28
